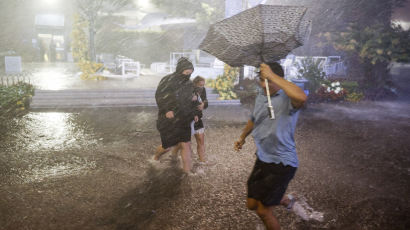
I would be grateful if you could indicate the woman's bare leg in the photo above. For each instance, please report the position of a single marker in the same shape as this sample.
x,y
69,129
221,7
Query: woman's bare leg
x,y
186,153
200,146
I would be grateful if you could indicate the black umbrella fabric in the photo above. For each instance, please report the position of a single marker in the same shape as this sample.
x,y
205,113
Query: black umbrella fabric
x,y
264,33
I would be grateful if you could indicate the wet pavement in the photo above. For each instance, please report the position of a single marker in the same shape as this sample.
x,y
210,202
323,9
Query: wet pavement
x,y
91,169
62,76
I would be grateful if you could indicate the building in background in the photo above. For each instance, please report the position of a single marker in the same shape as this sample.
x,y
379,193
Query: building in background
x,y
52,29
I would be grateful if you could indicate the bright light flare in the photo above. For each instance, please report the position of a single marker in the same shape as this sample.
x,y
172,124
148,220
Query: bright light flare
x,y
50,2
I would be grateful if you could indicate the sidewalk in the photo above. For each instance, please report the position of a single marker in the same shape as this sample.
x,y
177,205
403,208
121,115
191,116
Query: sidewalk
x,y
65,76
58,86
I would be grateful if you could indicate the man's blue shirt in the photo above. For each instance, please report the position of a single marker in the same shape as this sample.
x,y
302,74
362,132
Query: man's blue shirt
x,y
274,139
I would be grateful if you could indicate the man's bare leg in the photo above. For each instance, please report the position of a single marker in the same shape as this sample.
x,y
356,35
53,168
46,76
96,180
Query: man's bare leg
x,y
186,153
159,152
285,201
200,146
265,213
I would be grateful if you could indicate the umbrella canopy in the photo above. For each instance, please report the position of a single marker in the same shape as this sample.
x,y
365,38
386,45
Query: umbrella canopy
x,y
264,33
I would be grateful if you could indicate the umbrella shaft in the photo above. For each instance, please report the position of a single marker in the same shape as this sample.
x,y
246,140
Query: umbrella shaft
x,y
271,113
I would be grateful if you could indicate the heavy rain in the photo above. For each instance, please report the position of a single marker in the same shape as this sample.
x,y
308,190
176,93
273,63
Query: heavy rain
x,y
96,112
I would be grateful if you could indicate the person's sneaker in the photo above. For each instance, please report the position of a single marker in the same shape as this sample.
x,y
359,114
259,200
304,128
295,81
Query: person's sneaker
x,y
153,161
200,170
260,227
303,210
300,211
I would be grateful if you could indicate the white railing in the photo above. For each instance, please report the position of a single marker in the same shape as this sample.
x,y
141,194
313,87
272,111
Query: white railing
x,y
122,67
335,69
331,65
130,67
9,80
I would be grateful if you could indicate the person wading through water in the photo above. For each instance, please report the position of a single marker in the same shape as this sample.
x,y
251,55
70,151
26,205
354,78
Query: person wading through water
x,y
197,127
276,161
174,96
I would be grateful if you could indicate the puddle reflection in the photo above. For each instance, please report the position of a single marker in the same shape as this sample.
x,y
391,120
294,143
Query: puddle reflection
x,y
54,78
56,130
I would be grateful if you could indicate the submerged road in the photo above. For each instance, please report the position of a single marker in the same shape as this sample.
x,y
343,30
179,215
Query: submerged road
x,y
91,169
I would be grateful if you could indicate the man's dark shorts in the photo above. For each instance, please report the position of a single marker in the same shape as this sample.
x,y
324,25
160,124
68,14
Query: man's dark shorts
x,y
268,182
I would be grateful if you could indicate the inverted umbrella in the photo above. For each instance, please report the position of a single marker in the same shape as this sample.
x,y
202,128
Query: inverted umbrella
x,y
264,33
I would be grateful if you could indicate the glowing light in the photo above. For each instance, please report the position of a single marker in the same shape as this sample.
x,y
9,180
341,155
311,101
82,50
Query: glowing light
x,y
404,24
50,2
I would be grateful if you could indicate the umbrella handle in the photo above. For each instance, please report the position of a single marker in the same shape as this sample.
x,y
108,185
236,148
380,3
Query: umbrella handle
x,y
263,59
270,108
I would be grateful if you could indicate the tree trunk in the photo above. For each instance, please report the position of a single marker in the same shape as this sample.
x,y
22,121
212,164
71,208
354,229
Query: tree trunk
x,y
92,38
241,75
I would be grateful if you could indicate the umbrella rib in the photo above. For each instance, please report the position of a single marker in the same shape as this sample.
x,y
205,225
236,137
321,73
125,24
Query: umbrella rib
x,y
263,36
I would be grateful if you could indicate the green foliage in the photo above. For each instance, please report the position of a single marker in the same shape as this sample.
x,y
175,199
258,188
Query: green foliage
x,y
80,49
79,39
15,99
224,84
376,43
311,70
369,51
351,86
354,97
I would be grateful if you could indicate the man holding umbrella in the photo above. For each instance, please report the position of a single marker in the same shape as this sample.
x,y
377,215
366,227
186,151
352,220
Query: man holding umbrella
x,y
266,34
276,161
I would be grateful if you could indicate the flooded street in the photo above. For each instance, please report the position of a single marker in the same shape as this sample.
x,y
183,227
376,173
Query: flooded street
x,y
91,169
62,76
82,84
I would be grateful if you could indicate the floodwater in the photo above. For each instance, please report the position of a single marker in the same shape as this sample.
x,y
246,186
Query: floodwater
x,y
60,76
92,169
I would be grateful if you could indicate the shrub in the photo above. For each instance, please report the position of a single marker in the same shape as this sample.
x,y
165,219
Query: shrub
x,y
89,69
354,94
311,70
224,84
354,97
15,99
350,86
331,92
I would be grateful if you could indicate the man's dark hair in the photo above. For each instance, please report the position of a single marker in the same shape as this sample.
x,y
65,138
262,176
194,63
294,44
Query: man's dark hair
x,y
276,68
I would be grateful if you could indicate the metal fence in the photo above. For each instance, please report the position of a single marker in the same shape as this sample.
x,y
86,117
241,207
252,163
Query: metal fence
x,y
13,79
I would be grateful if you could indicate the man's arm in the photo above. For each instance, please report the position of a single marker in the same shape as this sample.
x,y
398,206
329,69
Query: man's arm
x,y
294,92
165,97
245,132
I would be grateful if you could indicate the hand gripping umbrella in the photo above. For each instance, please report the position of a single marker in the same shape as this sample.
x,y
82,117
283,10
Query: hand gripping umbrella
x,y
264,33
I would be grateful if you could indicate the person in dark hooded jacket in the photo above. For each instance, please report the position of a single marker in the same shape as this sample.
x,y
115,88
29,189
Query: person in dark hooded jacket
x,y
174,96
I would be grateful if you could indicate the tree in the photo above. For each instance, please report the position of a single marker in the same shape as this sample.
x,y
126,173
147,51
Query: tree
x,y
205,12
361,31
376,46
91,11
